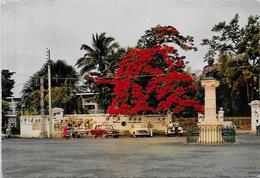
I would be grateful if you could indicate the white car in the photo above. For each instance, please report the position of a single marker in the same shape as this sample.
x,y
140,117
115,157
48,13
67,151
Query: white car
x,y
171,132
140,130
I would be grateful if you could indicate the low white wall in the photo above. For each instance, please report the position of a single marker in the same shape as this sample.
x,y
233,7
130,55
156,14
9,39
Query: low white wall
x,y
31,125
122,123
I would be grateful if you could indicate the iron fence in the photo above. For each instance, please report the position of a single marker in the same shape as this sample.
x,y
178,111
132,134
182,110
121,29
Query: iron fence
x,y
193,133
228,134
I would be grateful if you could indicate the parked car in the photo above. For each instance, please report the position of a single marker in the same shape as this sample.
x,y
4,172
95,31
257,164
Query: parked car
x,y
105,131
83,132
140,130
171,132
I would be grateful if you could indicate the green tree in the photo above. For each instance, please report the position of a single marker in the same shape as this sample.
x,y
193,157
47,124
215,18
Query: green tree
x,y
96,56
64,83
136,77
165,35
7,83
5,108
100,60
238,53
169,35
7,86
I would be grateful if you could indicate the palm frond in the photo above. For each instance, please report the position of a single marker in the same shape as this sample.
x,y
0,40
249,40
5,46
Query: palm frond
x,y
87,48
86,69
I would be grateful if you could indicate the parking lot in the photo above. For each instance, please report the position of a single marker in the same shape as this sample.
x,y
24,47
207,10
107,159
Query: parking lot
x,y
130,157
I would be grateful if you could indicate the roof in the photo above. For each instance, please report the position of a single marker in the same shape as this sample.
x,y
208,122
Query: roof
x,y
88,94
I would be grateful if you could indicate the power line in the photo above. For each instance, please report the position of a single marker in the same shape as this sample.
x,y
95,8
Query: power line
x,y
243,67
83,78
19,84
26,75
38,77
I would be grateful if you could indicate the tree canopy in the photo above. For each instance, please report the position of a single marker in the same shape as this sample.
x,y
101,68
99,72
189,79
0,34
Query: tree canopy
x,y
96,59
7,83
64,81
151,79
238,52
7,86
100,60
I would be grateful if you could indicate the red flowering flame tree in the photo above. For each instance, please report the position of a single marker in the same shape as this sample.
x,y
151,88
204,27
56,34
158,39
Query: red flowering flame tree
x,y
152,80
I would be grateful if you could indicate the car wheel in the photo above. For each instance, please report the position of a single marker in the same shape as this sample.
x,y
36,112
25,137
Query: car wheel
x,y
104,136
134,136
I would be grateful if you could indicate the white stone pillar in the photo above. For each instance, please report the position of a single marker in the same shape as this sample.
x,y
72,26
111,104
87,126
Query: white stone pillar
x,y
210,100
255,114
221,115
210,127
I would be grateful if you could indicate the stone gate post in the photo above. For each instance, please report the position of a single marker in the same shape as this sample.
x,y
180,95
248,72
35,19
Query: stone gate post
x,y
255,114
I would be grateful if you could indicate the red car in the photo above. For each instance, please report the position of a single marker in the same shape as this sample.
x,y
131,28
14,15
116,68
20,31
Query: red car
x,y
105,131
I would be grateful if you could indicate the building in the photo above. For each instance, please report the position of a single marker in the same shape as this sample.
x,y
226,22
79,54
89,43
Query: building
x,y
12,113
89,103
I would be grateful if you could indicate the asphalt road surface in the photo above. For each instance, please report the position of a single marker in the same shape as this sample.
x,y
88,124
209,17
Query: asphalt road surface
x,y
129,157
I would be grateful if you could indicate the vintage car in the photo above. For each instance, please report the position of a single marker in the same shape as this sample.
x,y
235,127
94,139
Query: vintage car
x,y
171,131
140,130
105,131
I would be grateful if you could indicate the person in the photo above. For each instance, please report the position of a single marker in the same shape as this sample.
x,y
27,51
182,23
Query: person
x,y
210,69
170,126
65,131
73,135
76,129
257,128
8,132
74,132
13,130
177,125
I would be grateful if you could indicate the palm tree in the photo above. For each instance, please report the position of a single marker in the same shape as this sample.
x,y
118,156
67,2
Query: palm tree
x,y
101,59
96,57
64,82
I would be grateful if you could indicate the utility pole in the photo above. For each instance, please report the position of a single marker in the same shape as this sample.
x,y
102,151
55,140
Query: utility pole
x,y
49,88
43,133
258,98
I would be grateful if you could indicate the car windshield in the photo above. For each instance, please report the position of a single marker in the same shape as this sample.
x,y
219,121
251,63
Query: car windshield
x,y
140,126
104,127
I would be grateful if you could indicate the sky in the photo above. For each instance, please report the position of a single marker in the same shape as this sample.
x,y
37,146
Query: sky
x,y
30,26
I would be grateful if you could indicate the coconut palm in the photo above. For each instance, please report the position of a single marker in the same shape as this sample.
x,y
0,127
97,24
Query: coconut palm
x,y
64,81
101,59
96,56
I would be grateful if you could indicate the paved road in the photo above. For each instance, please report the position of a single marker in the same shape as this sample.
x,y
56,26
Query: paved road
x,y
128,157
